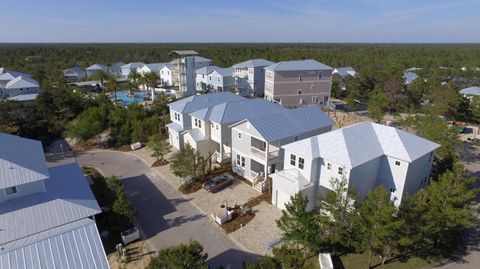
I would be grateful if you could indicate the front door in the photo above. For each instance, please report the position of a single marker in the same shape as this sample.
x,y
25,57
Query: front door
x,y
272,169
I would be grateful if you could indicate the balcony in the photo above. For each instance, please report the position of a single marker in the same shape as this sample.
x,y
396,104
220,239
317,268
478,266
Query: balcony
x,y
261,153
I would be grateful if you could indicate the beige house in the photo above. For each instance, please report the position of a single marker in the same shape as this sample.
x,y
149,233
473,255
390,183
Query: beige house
x,y
298,83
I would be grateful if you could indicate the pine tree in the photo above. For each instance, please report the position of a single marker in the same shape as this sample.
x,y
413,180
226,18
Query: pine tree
x,y
377,104
189,255
159,145
187,163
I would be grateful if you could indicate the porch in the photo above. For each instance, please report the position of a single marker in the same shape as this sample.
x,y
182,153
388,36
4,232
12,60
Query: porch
x,y
263,150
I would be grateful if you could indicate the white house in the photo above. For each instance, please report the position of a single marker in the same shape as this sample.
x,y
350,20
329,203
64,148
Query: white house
x,y
345,71
73,74
201,76
116,69
470,92
94,68
46,214
154,67
365,154
220,80
256,142
249,77
13,84
166,74
185,64
126,69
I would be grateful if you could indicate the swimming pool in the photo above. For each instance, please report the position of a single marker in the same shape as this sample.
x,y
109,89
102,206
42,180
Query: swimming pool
x,y
123,97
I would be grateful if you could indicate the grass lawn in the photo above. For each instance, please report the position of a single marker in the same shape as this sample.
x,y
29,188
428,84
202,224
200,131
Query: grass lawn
x,y
312,263
360,261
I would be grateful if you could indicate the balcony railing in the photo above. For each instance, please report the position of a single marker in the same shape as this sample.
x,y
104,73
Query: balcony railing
x,y
261,153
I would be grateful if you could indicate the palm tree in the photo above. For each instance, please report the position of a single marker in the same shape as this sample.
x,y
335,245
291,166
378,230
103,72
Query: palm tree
x,y
151,79
112,85
102,76
134,76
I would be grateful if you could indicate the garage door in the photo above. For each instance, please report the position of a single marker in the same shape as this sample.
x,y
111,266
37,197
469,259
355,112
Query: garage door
x,y
281,199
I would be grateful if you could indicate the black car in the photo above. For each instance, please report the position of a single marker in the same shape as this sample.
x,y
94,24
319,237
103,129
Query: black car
x,y
217,183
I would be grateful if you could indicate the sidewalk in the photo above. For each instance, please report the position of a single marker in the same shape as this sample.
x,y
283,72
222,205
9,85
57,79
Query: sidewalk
x,y
253,236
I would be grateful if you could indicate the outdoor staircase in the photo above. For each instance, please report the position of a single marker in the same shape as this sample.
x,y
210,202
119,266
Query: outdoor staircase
x,y
260,183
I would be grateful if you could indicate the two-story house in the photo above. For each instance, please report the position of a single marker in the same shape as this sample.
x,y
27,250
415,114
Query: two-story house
x,y
249,77
14,84
201,76
46,214
166,74
220,80
94,68
366,155
180,114
298,83
115,69
153,67
73,74
128,68
257,141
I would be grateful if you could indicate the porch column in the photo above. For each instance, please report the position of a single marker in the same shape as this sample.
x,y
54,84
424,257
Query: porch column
x,y
265,167
221,149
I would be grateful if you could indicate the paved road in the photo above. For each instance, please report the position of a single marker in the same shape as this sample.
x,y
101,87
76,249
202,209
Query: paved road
x,y
165,217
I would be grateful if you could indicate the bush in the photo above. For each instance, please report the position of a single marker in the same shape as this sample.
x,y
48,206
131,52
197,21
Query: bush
x,y
189,255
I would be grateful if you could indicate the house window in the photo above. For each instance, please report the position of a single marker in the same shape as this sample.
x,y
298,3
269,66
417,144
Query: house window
x,y
340,170
238,159
199,124
239,136
397,163
300,77
299,92
212,125
196,122
293,159
392,189
216,126
315,99
329,166
301,163
243,161
203,76
11,190
218,79
295,138
319,75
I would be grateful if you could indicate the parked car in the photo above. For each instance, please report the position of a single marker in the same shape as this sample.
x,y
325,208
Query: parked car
x,y
217,183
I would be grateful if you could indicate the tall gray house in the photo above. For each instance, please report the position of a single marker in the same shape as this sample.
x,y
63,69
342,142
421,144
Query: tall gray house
x,y
298,83
46,214
249,77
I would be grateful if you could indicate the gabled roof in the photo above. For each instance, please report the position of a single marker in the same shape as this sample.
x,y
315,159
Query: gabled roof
x,y
68,198
235,111
184,52
9,75
290,122
471,91
207,69
168,65
198,102
199,59
116,67
133,65
77,70
356,144
21,161
304,65
345,71
196,134
175,126
224,72
94,67
154,66
253,63
22,82
71,246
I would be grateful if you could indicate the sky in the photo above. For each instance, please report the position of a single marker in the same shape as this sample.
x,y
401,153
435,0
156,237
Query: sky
x,y
337,21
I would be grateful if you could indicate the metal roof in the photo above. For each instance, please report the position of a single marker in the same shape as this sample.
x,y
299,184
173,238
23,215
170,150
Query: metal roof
x,y
96,67
290,122
201,59
245,109
72,246
154,67
304,65
196,134
22,82
24,97
359,143
184,52
471,91
345,71
224,72
9,75
21,161
133,65
75,69
206,69
175,126
67,198
409,77
116,67
253,63
201,101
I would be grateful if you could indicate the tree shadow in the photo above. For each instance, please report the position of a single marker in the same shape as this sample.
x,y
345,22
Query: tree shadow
x,y
232,259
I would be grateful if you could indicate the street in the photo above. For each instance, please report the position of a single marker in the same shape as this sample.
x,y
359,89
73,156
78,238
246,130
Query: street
x,y
165,217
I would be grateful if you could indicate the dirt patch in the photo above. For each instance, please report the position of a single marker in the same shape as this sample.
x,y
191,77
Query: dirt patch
x,y
138,255
160,162
195,186
264,197
124,148
239,220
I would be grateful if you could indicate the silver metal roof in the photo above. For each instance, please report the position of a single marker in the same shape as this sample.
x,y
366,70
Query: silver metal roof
x,y
201,59
409,77
175,126
9,75
75,245
22,82
196,134
75,69
359,143
67,198
184,52
96,67
471,91
304,65
345,71
206,69
224,72
198,102
253,63
21,161
290,122
133,65
245,109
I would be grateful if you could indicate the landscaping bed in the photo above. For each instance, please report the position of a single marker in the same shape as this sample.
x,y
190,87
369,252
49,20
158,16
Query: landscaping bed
x,y
239,219
198,183
160,162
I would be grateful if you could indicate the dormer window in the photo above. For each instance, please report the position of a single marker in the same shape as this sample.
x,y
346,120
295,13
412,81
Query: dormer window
x,y
11,190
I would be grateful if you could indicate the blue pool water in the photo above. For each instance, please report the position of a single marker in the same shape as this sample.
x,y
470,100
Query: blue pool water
x,y
126,100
